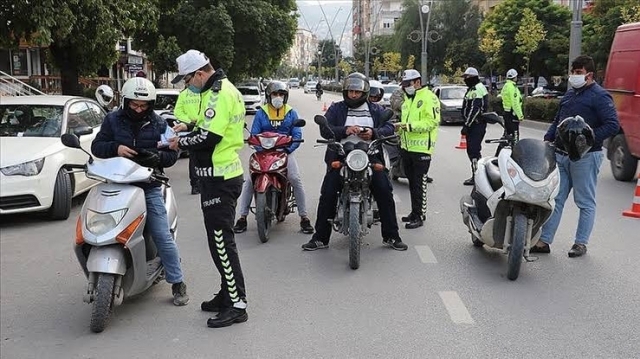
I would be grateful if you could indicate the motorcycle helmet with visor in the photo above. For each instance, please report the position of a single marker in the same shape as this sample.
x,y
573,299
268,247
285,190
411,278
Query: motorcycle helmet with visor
x,y
575,137
355,82
138,89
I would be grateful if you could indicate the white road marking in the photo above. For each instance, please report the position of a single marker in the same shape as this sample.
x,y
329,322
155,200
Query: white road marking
x,y
457,310
426,255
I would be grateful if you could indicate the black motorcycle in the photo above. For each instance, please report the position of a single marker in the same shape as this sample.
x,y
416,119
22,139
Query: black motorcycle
x,y
355,209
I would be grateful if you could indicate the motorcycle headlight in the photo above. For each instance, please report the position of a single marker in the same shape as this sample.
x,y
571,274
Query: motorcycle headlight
x,y
357,160
277,164
31,168
268,142
254,164
531,194
101,223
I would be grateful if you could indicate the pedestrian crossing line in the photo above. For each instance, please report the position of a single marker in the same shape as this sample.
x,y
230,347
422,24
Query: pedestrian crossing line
x,y
456,308
426,255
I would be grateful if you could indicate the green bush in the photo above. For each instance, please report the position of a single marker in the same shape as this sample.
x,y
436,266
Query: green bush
x,y
535,109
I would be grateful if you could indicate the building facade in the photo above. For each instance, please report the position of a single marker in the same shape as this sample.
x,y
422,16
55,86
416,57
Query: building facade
x,y
303,50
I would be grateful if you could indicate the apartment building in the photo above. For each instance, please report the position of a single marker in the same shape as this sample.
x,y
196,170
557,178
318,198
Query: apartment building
x,y
303,50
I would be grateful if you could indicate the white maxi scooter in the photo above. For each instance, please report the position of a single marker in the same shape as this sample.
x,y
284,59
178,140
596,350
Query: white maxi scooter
x,y
513,196
118,257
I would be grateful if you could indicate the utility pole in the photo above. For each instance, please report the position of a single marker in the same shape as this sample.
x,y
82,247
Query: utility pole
x,y
575,39
425,8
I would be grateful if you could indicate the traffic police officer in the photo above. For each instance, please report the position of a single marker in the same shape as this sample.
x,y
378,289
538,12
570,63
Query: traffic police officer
x,y
215,142
512,105
186,111
418,129
475,102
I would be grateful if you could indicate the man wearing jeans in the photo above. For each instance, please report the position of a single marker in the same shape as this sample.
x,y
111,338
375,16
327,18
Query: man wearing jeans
x,y
594,104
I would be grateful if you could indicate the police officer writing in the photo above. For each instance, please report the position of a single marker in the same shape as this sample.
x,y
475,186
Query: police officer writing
x,y
186,111
347,118
418,129
512,105
214,143
475,102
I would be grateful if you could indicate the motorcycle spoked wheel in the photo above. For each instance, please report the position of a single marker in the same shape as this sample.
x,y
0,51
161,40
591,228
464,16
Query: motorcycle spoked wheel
x,y
516,249
264,213
355,236
102,302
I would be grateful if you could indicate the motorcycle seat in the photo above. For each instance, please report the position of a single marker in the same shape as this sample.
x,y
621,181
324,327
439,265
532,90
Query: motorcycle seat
x,y
493,174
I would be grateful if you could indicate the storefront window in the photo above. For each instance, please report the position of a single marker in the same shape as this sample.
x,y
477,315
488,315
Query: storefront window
x,y
19,63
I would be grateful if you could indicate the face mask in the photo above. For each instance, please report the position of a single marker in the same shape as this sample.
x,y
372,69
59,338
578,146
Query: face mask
x,y
410,90
277,102
577,81
194,89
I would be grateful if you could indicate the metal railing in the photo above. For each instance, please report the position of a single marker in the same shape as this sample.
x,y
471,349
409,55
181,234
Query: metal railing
x,y
11,86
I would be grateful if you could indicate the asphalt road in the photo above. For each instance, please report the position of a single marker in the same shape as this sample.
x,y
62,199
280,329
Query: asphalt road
x,y
442,298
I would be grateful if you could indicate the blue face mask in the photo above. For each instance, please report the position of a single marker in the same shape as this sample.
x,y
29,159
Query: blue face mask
x,y
194,89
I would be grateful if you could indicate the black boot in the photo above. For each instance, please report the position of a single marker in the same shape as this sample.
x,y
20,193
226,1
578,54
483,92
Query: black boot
x,y
228,317
474,167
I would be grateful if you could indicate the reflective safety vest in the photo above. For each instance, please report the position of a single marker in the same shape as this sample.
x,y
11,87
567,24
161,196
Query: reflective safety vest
x,y
187,106
422,116
512,99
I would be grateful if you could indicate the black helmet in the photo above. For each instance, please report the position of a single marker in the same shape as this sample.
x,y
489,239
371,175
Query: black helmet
x,y
355,82
279,87
575,136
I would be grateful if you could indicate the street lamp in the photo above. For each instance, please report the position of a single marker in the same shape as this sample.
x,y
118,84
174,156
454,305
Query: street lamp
x,y
335,51
575,37
367,49
425,8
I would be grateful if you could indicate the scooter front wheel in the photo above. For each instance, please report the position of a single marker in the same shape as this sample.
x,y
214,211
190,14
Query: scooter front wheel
x,y
102,302
354,235
264,215
516,249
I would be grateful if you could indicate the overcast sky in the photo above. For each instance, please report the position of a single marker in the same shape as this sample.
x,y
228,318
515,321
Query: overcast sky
x,y
310,11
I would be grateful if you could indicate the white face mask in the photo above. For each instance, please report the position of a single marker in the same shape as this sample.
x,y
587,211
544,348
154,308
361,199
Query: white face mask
x,y
277,102
577,81
410,90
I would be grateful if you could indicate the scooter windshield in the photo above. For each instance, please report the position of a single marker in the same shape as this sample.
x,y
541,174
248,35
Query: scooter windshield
x,y
536,158
118,170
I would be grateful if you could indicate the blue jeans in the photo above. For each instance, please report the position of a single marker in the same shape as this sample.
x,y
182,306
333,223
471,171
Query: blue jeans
x,y
582,177
158,226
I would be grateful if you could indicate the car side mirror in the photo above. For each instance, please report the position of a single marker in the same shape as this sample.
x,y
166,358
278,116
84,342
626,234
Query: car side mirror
x,y
70,140
82,130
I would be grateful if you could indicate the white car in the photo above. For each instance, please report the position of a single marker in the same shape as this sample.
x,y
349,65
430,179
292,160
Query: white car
x,y
252,97
386,98
32,157
310,87
166,100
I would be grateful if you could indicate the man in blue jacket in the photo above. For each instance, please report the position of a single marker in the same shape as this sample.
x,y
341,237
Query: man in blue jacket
x,y
134,132
277,116
594,104
346,119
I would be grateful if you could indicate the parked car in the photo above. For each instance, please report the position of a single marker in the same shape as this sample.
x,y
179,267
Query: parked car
x,y
294,83
165,100
310,87
451,97
622,80
252,97
388,91
33,159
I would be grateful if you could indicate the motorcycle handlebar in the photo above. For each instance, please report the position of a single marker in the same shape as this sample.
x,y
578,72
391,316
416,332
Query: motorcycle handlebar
x,y
324,141
79,167
496,140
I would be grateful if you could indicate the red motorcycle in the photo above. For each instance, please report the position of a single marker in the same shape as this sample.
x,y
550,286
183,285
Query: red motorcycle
x,y
268,168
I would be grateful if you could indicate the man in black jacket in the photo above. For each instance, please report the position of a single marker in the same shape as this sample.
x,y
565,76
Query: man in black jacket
x,y
134,132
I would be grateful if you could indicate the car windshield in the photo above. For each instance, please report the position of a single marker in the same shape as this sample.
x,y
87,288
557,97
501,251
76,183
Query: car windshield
x,y
452,93
312,84
249,91
165,101
390,89
30,120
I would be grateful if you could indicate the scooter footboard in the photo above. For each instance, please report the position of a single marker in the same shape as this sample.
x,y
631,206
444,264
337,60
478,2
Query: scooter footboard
x,y
107,259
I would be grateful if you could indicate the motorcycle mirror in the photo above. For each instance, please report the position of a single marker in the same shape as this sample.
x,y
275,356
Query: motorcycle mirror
x,y
320,120
70,140
493,118
387,114
299,123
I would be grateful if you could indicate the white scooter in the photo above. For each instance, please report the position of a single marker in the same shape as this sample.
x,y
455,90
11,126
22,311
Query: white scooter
x,y
118,257
513,196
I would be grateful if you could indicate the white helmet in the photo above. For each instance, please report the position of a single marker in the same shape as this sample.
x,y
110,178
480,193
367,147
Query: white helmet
x,y
104,95
512,74
376,91
470,71
139,88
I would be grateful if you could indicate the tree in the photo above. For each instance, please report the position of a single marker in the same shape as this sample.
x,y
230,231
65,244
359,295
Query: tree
x,y
411,61
490,45
529,36
344,66
391,62
244,37
551,57
327,48
81,34
601,24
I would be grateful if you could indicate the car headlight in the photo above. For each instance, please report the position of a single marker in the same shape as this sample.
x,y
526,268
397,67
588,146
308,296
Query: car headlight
x,y
101,223
268,142
31,168
357,160
277,164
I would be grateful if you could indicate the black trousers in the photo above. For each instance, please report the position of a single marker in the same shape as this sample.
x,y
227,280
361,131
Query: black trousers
x,y
193,179
416,167
218,202
511,125
329,194
475,135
